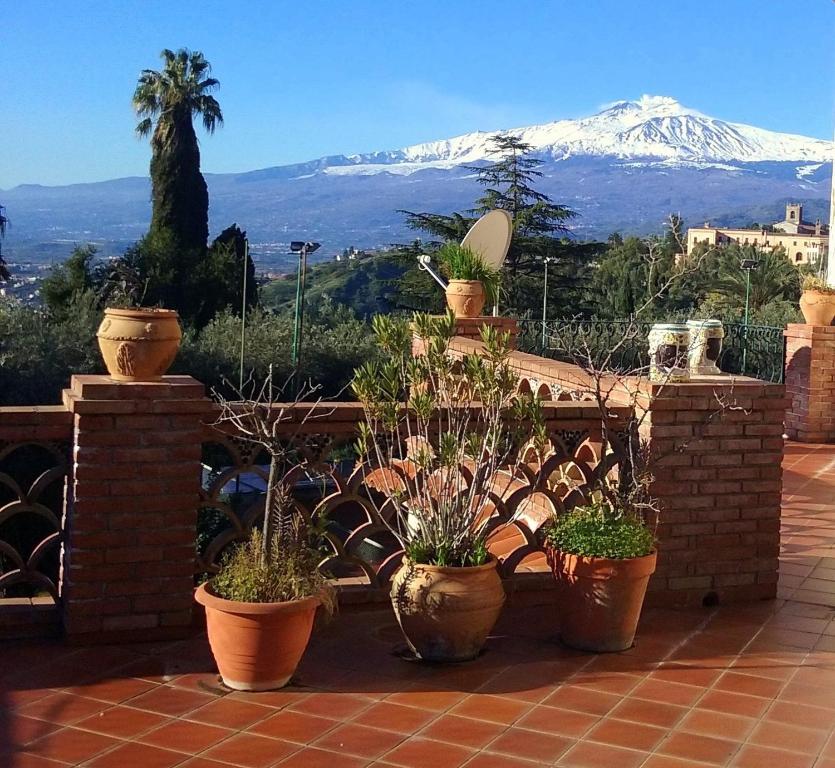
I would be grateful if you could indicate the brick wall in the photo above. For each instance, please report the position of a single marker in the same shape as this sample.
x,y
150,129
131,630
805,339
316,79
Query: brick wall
x,y
810,383
132,507
720,479
718,482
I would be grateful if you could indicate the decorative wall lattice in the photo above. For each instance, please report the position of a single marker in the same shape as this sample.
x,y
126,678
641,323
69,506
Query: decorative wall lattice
x,y
327,481
32,478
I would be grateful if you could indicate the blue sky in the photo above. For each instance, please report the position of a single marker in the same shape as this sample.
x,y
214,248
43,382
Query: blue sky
x,y
305,78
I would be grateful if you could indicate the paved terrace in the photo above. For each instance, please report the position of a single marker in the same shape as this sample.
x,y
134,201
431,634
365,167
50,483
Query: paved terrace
x,y
750,685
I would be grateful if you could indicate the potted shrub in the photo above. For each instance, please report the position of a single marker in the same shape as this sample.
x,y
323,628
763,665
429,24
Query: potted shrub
x,y
471,281
261,606
817,301
602,556
137,343
436,438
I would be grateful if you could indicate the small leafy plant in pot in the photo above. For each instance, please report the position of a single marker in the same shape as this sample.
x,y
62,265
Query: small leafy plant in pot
x,y
471,281
602,557
137,343
261,606
436,436
817,301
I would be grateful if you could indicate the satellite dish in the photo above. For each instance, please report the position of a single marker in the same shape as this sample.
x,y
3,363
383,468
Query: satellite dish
x,y
490,237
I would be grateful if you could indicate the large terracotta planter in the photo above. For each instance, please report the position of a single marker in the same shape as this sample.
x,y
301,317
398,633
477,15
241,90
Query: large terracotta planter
x,y
139,344
599,599
257,646
447,613
465,297
818,308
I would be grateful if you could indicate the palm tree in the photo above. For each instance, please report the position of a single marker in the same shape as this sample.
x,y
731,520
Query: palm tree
x,y
774,278
4,222
167,101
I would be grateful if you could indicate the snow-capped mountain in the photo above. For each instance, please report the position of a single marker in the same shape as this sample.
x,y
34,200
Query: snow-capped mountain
x,y
622,169
653,127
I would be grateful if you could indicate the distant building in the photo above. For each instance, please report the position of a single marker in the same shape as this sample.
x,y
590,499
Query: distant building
x,y
804,243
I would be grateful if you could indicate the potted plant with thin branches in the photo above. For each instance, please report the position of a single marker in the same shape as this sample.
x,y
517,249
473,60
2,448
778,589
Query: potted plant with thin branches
x,y
261,606
440,440
471,281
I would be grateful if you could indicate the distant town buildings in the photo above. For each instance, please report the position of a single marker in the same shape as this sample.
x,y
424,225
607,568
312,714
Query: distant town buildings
x,y
803,243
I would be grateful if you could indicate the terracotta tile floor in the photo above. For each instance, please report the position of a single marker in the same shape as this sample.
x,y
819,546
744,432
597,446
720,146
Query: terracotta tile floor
x,y
750,685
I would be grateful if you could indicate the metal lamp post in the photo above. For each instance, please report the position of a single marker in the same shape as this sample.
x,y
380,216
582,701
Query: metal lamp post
x,y
747,265
547,261
243,316
302,248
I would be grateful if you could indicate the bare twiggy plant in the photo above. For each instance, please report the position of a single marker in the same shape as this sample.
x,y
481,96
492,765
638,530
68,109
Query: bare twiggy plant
x,y
262,417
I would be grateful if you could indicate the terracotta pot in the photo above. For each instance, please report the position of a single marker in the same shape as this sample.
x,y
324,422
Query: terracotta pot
x,y
447,613
139,344
818,308
600,600
257,646
465,297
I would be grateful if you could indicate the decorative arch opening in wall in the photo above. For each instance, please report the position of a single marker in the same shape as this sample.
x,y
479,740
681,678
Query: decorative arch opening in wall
x,y
798,256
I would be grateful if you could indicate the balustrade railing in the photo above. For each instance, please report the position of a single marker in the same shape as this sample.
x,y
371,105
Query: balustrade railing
x,y
328,483
34,457
752,350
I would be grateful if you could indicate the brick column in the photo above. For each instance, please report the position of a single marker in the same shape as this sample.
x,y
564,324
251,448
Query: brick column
x,y
719,483
810,383
131,512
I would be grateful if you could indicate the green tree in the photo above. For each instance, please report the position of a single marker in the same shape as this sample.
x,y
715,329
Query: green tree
x,y
4,222
66,282
539,228
630,276
222,271
167,101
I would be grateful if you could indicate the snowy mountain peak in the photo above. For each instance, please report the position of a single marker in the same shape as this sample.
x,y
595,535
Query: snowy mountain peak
x,y
649,129
647,107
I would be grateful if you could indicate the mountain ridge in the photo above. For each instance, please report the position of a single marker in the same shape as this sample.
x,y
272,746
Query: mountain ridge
x,y
624,168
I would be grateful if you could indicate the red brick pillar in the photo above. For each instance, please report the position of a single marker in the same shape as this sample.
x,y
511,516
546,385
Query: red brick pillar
x,y
810,383
131,512
718,482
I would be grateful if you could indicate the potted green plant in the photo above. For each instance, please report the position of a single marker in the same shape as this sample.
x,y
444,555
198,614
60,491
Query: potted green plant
x,y
260,607
602,555
137,343
471,281
437,435
817,301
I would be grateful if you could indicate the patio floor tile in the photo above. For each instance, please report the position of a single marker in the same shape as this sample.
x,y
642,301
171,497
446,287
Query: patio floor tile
x,y
427,753
463,731
742,686
250,751
185,736
360,740
72,745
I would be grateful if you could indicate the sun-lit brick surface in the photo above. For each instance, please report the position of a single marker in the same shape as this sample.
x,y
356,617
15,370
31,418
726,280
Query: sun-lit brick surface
x,y
741,685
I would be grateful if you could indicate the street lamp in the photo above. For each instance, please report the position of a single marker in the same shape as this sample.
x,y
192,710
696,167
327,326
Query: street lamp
x,y
547,261
243,316
747,265
302,248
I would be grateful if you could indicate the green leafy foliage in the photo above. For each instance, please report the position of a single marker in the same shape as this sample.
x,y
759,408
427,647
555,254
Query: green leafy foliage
x,y
817,283
596,530
39,352
461,263
455,423
291,572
